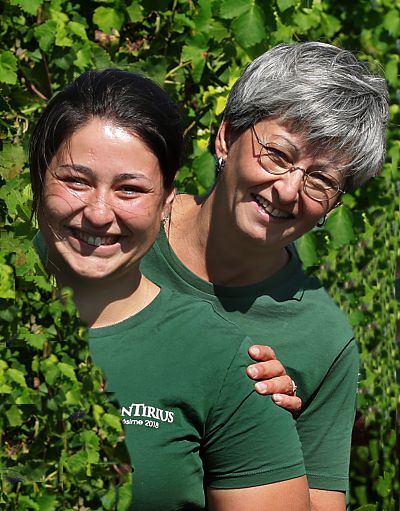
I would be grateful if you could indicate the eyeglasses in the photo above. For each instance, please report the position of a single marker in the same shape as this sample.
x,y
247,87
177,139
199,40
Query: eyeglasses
x,y
318,185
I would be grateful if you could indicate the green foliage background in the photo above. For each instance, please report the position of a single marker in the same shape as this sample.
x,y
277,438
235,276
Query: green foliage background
x,y
53,456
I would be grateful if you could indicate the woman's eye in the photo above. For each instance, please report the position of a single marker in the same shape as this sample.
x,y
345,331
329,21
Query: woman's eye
x,y
75,181
278,157
322,181
130,190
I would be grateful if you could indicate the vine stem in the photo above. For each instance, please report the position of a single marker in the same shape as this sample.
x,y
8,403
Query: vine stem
x,y
180,66
38,93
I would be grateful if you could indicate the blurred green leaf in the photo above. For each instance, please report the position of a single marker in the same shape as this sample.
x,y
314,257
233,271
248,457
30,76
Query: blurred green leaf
x,y
391,69
12,159
14,416
204,167
230,9
7,287
307,248
135,12
249,27
196,52
340,227
391,22
107,18
63,38
8,67
45,34
29,6
283,5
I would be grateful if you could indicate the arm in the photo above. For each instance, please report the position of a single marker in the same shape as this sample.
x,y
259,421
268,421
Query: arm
x,y
278,383
252,455
325,500
325,429
291,495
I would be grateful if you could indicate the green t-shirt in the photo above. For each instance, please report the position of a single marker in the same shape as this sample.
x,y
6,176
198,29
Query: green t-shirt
x,y
190,413
311,337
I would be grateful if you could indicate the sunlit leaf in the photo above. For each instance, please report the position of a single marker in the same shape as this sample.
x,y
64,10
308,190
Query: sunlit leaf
x,y
67,370
16,376
340,227
307,248
249,27
8,67
14,416
29,6
196,52
78,29
391,22
7,285
107,18
391,70
306,19
45,34
230,9
84,57
204,167
135,12
62,36
283,5
12,159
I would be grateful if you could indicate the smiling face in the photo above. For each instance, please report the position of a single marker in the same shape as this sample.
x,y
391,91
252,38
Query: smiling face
x,y
103,203
271,209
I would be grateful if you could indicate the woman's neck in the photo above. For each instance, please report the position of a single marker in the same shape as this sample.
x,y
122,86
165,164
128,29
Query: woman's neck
x,y
103,303
203,239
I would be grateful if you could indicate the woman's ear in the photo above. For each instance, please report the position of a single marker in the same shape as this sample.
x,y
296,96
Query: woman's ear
x,y
169,198
222,140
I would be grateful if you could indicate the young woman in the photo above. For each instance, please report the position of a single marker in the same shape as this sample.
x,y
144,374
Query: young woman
x,y
103,159
303,124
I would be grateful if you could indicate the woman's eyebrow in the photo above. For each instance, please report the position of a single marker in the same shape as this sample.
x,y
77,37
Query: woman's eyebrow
x,y
119,177
130,175
78,168
277,138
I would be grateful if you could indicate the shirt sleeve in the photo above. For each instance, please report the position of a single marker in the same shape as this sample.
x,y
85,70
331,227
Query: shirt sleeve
x,y
325,426
40,247
249,440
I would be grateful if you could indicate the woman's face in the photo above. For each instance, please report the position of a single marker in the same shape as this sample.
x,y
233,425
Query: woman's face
x,y
103,202
270,209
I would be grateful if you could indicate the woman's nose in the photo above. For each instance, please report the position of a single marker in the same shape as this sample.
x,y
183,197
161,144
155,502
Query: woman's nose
x,y
289,185
98,211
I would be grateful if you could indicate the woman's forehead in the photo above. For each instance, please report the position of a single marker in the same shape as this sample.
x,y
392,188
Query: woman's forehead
x,y
295,137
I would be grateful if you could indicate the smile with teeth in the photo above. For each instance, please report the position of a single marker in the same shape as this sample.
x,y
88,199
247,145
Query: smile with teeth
x,y
267,206
96,241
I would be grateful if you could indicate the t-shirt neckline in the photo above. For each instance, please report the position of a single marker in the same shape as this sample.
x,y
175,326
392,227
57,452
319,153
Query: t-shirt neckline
x,y
282,277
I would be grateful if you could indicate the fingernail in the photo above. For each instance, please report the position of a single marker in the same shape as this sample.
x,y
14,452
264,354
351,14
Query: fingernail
x,y
255,351
261,387
253,372
277,398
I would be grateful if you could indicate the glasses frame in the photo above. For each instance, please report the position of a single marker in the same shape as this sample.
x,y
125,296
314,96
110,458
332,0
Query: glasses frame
x,y
294,167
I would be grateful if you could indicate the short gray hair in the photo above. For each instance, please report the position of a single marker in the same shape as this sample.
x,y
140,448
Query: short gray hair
x,y
324,93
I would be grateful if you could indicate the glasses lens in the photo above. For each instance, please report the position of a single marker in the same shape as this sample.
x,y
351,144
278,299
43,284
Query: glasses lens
x,y
274,160
321,186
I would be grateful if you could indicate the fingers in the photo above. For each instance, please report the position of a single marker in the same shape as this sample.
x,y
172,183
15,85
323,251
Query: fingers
x,y
291,403
281,388
278,385
266,370
261,353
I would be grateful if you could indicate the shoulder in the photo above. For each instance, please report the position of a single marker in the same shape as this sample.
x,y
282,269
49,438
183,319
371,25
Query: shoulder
x,y
314,298
197,315
40,246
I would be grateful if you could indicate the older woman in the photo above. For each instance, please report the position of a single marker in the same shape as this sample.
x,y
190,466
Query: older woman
x,y
103,159
304,124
